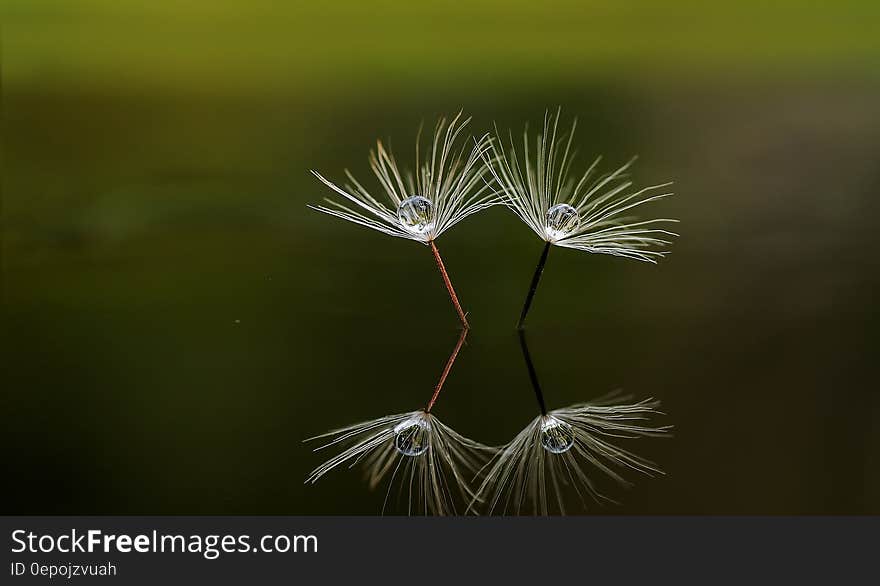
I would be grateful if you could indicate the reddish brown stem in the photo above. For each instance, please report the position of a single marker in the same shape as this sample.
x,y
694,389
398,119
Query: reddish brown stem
x,y
446,370
448,284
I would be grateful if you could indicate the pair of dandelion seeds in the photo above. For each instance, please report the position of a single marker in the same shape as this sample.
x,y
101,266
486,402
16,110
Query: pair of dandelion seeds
x,y
435,469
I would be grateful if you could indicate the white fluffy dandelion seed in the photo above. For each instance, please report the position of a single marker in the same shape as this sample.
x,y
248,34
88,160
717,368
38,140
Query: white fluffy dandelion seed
x,y
433,463
591,212
565,447
443,190
428,462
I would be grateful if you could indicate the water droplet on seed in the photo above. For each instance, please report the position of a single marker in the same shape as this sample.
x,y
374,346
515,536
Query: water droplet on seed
x,y
416,215
562,220
411,437
557,436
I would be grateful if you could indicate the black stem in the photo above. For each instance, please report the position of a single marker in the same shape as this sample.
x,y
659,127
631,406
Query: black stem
x,y
533,376
536,278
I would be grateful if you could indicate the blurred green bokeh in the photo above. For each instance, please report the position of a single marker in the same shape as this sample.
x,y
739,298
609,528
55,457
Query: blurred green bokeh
x,y
177,320
354,47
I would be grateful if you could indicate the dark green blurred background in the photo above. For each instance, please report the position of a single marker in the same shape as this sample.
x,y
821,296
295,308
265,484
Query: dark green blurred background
x,y
176,320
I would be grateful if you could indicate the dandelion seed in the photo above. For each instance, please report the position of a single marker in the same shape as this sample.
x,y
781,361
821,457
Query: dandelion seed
x,y
444,189
430,464
558,448
589,213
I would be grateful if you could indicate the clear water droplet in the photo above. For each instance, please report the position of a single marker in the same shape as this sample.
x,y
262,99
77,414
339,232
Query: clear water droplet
x,y
411,436
562,220
416,215
557,436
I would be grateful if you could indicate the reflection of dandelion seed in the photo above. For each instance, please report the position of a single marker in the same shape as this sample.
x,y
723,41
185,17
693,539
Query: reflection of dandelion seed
x,y
549,454
445,189
551,451
432,462
586,214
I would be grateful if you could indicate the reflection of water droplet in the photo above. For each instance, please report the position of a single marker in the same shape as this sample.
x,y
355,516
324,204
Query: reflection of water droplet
x,y
416,215
411,436
562,220
556,436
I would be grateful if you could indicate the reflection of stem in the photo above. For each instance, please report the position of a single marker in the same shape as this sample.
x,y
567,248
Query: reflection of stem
x,y
536,278
533,376
446,369
448,284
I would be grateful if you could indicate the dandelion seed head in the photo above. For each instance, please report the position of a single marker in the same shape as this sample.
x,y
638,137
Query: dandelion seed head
x,y
584,210
425,463
568,449
562,220
411,437
557,436
416,215
446,185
